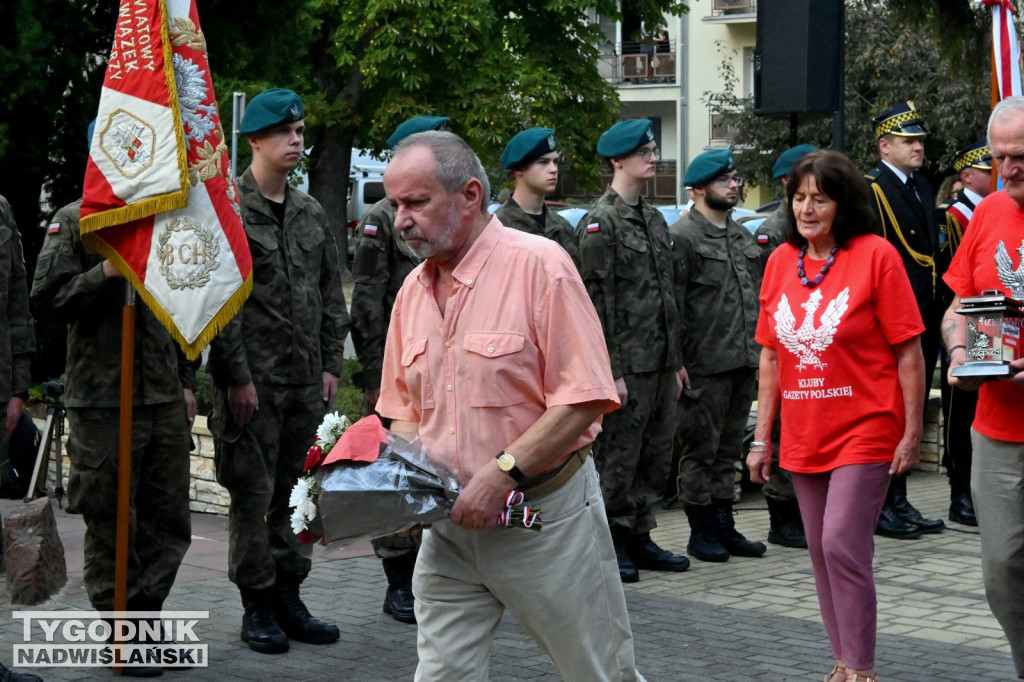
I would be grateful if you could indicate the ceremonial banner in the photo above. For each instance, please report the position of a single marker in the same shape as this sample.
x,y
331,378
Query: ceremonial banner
x,y
1005,51
158,201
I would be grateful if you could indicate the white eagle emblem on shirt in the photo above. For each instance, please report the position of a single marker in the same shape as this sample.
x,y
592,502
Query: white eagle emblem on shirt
x,y
1011,279
808,342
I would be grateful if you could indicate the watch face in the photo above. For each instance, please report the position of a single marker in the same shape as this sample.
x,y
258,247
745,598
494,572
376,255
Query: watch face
x,y
506,461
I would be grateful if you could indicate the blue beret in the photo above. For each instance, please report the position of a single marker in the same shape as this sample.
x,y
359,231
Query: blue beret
x,y
417,124
902,120
789,157
528,145
625,137
708,166
270,108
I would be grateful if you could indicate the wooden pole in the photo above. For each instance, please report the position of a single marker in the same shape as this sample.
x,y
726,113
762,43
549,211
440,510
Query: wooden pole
x,y
124,452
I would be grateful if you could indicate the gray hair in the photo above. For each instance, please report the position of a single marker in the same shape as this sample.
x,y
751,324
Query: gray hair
x,y
457,163
1003,109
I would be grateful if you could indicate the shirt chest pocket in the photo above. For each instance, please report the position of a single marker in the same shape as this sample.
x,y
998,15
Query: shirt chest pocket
x,y
416,366
495,368
712,266
262,239
632,258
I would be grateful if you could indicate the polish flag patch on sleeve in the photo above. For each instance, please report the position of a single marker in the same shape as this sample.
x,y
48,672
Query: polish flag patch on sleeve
x,y
593,227
54,228
370,230
762,239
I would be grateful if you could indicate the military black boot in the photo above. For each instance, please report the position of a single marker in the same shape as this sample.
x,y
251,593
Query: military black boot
x,y
398,600
704,544
647,555
906,511
293,616
259,626
627,569
732,539
787,528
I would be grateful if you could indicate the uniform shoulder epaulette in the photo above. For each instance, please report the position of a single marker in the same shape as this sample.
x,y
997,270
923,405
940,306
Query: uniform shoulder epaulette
x,y
872,175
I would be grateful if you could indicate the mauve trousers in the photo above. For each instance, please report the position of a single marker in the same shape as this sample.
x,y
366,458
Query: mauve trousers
x,y
840,509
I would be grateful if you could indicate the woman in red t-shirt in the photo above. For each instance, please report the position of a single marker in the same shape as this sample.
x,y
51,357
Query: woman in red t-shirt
x,y
840,334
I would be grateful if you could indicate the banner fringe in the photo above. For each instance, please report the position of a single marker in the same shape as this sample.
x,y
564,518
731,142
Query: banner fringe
x,y
137,211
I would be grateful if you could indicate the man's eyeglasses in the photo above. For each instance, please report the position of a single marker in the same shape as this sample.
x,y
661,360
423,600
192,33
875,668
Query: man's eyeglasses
x,y
726,180
647,154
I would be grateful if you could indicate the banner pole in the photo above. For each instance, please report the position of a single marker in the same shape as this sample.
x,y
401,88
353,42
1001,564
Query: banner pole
x,y
124,451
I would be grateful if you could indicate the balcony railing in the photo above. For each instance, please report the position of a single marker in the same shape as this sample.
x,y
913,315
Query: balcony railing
x,y
725,8
633,62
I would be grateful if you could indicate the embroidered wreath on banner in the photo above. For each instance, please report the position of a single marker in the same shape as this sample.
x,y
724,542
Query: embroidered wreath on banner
x,y
185,33
196,279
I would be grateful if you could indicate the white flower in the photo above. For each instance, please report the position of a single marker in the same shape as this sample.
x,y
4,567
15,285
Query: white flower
x,y
302,500
299,493
331,428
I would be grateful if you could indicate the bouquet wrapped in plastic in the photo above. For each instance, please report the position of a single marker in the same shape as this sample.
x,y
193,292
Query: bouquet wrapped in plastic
x,y
370,482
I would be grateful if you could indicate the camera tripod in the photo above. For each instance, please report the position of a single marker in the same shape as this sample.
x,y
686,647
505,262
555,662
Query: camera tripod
x,y
52,433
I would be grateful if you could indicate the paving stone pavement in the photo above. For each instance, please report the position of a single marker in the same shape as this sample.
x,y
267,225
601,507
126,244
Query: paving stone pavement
x,y
751,619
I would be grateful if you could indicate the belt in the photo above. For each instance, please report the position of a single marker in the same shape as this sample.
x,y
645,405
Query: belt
x,y
553,480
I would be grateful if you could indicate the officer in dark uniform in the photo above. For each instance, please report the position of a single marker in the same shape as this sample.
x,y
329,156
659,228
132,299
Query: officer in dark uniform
x,y
906,214
381,264
974,168
532,158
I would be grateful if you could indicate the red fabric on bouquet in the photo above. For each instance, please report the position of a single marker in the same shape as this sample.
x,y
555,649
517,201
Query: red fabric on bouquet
x,y
361,442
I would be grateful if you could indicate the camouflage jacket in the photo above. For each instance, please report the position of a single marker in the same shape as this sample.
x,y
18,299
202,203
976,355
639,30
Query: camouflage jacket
x,y
556,228
292,328
382,262
718,279
69,283
626,264
776,228
19,341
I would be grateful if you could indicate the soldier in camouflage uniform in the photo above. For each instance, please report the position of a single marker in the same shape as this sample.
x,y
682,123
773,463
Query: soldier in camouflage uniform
x,y
17,338
83,290
382,261
786,527
275,369
532,158
717,284
626,264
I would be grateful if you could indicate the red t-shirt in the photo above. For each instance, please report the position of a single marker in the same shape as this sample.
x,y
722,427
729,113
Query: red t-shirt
x,y
996,233
841,397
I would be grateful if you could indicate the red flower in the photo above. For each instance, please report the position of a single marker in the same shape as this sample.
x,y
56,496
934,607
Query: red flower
x,y
314,458
307,538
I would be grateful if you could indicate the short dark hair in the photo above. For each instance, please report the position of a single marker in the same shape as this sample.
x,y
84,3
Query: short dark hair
x,y
839,179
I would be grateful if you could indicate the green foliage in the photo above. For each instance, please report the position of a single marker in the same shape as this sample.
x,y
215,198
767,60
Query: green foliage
x,y
204,393
887,61
350,399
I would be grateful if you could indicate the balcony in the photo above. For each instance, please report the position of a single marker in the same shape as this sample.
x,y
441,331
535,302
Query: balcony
x,y
733,11
636,63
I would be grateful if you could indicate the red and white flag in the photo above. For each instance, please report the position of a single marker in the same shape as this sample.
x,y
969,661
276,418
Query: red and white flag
x,y
158,201
1005,51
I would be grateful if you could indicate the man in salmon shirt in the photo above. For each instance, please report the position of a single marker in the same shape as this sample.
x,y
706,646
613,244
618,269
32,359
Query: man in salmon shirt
x,y
496,359
990,258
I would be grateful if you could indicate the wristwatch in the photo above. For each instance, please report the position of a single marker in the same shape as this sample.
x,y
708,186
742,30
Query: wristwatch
x,y
507,463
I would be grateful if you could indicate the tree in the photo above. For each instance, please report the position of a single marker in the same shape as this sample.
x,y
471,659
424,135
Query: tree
x,y
888,60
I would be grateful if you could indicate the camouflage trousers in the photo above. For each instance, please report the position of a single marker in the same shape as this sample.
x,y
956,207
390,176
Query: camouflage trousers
x,y
712,415
160,524
633,453
259,465
780,484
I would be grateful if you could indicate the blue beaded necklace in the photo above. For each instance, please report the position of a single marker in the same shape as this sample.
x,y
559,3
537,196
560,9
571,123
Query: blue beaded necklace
x,y
820,277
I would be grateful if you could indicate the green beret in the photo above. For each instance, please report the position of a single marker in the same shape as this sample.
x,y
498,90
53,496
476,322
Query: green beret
x,y
527,146
789,157
270,108
625,137
417,124
708,166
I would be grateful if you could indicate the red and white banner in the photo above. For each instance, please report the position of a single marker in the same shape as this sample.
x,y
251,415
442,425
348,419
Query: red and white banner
x,y
158,200
1005,51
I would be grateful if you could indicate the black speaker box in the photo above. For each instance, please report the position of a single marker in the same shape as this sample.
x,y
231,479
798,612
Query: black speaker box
x,y
798,58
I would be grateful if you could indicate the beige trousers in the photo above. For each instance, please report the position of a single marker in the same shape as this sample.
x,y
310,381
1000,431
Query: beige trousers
x,y
561,584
